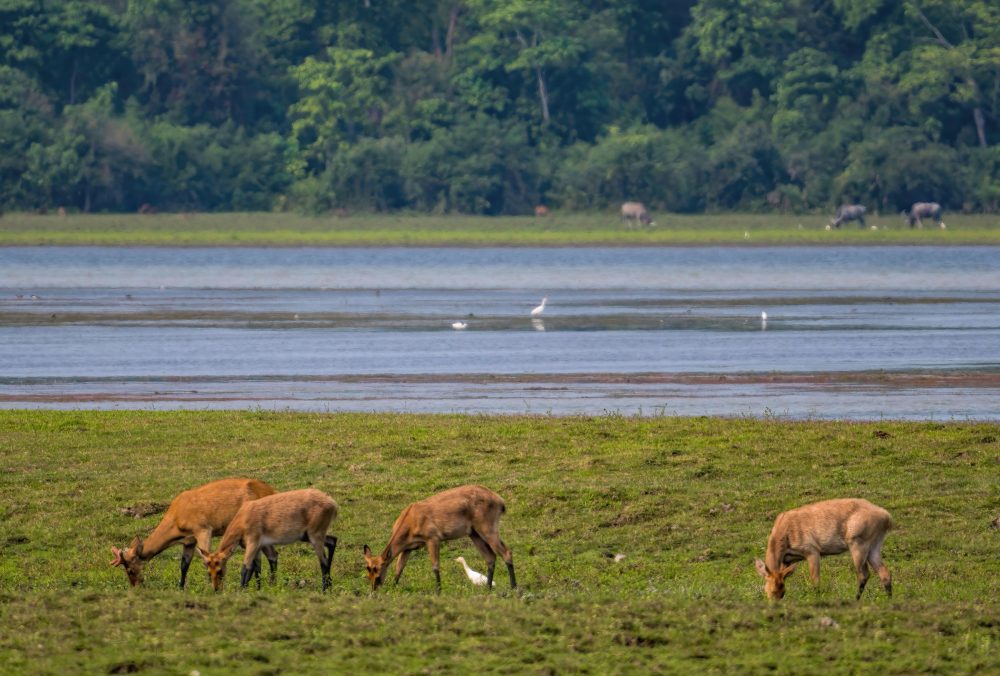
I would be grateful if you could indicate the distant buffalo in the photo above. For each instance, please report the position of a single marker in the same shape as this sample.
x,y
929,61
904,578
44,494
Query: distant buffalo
x,y
636,211
921,210
849,212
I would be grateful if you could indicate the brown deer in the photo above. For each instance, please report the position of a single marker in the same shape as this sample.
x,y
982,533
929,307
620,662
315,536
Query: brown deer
x,y
636,211
822,529
541,211
472,511
275,520
192,519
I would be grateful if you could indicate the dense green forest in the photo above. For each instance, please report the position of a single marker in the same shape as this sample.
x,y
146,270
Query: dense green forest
x,y
494,106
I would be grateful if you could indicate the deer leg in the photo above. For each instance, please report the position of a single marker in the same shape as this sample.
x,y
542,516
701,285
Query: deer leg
x,y
813,561
875,559
488,554
860,558
186,555
331,547
401,564
498,546
434,552
251,563
272,561
318,543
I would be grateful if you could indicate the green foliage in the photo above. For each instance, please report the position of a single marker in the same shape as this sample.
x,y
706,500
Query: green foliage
x,y
489,107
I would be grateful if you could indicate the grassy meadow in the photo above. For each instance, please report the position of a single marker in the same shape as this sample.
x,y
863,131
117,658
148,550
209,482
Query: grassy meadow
x,y
269,229
688,501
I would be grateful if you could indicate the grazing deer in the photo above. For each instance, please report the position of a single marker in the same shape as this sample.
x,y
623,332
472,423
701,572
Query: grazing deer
x,y
276,520
921,210
636,211
472,511
192,519
849,212
822,529
541,211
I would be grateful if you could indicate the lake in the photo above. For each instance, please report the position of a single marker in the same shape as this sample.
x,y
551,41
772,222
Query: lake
x,y
850,332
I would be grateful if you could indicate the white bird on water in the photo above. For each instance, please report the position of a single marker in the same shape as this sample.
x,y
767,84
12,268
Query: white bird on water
x,y
540,309
458,326
475,577
763,321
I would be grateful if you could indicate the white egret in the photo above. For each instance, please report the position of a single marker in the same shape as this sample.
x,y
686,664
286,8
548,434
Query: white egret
x,y
458,326
475,577
540,309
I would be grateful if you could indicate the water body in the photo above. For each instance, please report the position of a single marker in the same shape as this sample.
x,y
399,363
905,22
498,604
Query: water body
x,y
629,330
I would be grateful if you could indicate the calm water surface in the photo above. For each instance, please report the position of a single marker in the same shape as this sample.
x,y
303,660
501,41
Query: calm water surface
x,y
370,329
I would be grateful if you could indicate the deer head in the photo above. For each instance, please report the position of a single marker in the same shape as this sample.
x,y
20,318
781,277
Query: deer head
x,y
375,567
774,580
131,560
215,562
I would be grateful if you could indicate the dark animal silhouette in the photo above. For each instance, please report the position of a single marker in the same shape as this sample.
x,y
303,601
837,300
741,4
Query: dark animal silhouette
x,y
849,212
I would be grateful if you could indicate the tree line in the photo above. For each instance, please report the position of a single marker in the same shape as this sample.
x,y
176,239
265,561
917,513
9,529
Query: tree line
x,y
495,106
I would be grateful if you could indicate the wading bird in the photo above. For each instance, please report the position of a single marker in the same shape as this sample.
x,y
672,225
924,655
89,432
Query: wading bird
x,y
475,577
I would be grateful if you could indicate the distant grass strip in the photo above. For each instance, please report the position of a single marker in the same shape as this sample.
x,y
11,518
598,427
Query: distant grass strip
x,y
688,501
267,229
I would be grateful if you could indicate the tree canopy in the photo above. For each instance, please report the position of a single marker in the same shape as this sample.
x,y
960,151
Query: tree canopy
x,y
494,106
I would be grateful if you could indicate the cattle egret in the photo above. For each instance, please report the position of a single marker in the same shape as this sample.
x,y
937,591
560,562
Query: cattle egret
x,y
458,326
763,316
475,577
619,558
746,235
943,226
540,309
827,227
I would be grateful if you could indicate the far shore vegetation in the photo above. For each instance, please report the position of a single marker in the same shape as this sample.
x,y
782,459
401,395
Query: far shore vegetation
x,y
557,229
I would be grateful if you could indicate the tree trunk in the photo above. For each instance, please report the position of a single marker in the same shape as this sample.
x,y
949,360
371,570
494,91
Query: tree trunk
x,y
449,40
543,95
977,115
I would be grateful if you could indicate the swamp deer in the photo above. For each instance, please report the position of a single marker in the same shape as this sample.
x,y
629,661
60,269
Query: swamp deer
x,y
921,210
849,212
472,511
192,519
636,211
275,520
822,529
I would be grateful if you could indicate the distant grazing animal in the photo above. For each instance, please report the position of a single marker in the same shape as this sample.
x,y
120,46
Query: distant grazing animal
x,y
541,308
276,520
475,577
541,211
921,210
192,519
849,212
822,529
636,211
472,511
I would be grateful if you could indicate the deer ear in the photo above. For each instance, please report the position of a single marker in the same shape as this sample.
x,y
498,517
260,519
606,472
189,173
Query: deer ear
x,y
117,561
136,546
204,554
761,567
367,551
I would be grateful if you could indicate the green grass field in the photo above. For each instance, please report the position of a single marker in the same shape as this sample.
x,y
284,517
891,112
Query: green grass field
x,y
689,501
266,229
